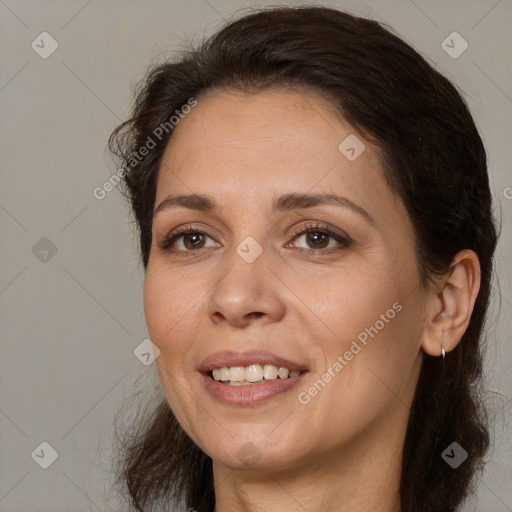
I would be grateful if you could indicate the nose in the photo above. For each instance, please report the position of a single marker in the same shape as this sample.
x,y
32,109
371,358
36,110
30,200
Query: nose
x,y
246,293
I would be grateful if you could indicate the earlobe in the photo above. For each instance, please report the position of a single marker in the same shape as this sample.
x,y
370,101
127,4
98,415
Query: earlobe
x,y
451,304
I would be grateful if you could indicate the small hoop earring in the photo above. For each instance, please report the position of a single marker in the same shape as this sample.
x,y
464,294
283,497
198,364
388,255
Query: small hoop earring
x,y
443,352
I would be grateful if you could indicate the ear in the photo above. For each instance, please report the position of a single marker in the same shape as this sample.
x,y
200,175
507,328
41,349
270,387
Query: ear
x,y
450,304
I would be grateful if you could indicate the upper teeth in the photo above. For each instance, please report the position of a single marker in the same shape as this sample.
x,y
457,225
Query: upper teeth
x,y
252,373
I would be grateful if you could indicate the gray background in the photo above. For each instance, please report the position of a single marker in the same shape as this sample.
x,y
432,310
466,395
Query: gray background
x,y
70,321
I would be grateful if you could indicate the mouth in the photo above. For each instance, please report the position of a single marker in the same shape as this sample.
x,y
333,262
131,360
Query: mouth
x,y
249,378
252,374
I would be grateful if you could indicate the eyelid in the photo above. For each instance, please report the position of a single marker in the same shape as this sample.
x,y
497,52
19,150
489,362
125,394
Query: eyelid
x,y
323,227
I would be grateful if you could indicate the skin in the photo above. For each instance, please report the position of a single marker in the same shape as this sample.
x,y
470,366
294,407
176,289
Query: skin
x,y
342,450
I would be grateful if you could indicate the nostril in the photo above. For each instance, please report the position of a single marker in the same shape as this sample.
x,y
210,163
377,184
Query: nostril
x,y
255,314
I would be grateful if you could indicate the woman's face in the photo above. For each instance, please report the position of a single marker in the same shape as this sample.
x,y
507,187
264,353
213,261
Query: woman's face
x,y
247,286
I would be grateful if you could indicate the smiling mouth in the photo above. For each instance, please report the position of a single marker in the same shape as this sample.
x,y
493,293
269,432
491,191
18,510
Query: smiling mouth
x,y
252,374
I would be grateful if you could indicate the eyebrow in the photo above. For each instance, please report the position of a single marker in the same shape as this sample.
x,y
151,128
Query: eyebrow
x,y
284,203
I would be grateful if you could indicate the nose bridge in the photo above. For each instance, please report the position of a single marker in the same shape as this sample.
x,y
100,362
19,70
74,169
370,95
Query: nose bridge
x,y
246,262
250,234
245,290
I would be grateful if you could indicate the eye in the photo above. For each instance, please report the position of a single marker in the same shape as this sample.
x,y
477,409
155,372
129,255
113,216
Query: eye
x,y
190,240
317,236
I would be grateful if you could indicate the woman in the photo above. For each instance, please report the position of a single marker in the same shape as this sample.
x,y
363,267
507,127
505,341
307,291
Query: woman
x,y
316,231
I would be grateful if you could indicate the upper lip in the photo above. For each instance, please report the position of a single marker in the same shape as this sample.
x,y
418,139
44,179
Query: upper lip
x,y
230,358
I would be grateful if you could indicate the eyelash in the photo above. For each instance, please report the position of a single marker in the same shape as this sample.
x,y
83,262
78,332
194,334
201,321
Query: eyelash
x,y
343,239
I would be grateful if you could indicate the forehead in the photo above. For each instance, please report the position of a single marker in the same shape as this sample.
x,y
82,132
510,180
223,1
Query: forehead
x,y
275,137
268,120
246,150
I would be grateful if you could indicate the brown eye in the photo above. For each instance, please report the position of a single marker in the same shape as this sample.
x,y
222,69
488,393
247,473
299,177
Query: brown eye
x,y
317,238
193,240
185,241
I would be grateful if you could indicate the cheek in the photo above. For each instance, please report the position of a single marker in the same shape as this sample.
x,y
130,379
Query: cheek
x,y
167,317
155,300
166,304
172,311
355,301
372,318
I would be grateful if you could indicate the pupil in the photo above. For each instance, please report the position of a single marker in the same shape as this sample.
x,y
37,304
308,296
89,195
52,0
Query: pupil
x,y
315,235
197,237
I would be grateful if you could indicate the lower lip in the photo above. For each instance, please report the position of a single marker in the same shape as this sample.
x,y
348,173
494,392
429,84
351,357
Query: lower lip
x,y
250,394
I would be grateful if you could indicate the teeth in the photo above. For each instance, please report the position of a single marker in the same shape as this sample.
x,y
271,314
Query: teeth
x,y
240,375
237,374
283,373
270,372
253,373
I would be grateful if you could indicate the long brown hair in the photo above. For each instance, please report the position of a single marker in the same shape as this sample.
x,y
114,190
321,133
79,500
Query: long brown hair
x,y
433,159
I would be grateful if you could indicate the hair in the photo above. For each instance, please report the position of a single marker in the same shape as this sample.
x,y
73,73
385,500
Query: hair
x,y
433,159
